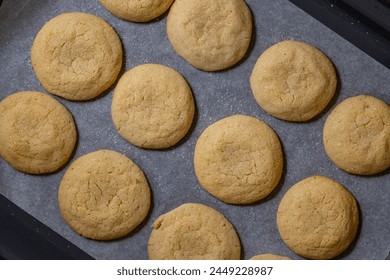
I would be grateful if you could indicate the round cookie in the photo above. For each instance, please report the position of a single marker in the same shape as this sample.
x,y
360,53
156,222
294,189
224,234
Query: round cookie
x,y
193,231
152,106
318,218
238,159
104,195
210,35
269,257
37,133
76,56
357,135
293,81
137,10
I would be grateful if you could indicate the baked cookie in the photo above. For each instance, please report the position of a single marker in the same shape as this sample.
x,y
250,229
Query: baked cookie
x,y
357,135
104,195
76,56
152,106
238,159
37,133
318,218
193,232
210,35
269,257
293,81
137,10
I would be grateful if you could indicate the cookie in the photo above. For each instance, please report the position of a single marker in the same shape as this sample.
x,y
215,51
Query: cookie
x,y
152,106
193,232
137,10
269,257
318,218
293,81
238,159
37,133
104,195
76,56
357,135
210,35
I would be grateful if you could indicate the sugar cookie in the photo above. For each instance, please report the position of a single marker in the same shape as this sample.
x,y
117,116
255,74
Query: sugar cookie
x,y
318,218
357,135
104,195
193,231
137,10
269,257
152,106
37,133
210,35
293,81
238,159
76,56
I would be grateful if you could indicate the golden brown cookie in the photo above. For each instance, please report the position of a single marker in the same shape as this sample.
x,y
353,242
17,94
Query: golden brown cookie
x,y
104,195
269,257
152,106
137,10
210,35
193,232
238,159
357,135
318,218
76,56
293,81
37,133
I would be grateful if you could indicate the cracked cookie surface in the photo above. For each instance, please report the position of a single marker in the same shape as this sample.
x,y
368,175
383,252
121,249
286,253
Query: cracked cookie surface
x,y
193,231
37,133
356,135
76,56
293,81
152,106
318,218
137,10
238,159
104,195
210,35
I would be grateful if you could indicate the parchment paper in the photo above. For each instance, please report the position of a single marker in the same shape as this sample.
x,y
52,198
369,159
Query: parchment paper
x,y
170,172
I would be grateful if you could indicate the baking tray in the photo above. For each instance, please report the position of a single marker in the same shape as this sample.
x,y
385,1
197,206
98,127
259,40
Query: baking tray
x,y
170,172
24,237
365,23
